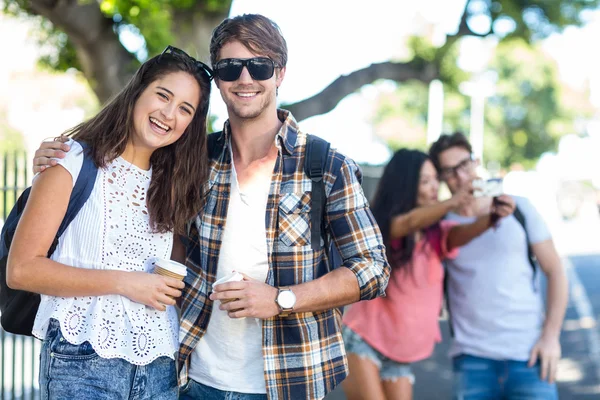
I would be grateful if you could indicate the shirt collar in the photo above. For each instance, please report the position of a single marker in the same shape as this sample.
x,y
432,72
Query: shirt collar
x,y
286,136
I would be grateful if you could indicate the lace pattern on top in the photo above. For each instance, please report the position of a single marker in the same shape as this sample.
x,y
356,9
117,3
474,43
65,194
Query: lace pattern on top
x,y
113,324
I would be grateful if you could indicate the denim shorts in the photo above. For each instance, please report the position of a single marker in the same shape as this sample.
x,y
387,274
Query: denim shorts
x,y
388,369
70,371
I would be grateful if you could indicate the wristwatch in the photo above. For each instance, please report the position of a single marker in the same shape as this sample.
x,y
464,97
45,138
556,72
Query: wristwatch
x,y
286,300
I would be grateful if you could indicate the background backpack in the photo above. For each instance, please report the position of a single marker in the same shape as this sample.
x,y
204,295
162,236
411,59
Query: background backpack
x,y
19,307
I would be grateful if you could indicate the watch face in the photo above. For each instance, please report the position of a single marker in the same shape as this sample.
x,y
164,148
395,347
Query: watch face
x,y
286,299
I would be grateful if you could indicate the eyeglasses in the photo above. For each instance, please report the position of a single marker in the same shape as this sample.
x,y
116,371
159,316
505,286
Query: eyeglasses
x,y
230,69
463,167
202,68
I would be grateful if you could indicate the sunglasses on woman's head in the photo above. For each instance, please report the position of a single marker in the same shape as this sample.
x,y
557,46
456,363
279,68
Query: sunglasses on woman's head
x,y
202,68
230,69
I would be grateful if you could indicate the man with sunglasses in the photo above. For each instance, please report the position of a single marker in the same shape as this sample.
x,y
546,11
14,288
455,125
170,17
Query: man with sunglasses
x,y
502,347
275,334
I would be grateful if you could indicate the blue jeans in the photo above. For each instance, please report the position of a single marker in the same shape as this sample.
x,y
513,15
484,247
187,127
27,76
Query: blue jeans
x,y
193,390
69,371
477,378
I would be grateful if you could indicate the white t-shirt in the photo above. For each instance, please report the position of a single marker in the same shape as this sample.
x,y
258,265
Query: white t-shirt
x,y
112,232
496,313
229,355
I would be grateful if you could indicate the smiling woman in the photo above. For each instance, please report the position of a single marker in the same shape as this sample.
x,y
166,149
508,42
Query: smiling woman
x,y
161,115
102,310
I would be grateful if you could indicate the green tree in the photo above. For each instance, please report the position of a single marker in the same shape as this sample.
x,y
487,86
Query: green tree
x,y
85,34
526,116
529,20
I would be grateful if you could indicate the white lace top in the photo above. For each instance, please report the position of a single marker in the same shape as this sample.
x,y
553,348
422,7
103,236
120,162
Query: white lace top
x,y
112,231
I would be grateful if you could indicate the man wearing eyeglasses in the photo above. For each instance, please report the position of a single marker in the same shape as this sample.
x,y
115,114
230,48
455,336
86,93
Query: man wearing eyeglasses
x,y
502,346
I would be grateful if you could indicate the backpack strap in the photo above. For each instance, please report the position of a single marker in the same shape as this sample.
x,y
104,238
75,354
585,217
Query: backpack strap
x,y
315,158
212,141
81,192
530,256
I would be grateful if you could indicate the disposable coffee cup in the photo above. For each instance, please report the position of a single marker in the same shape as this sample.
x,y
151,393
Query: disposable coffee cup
x,y
233,277
170,268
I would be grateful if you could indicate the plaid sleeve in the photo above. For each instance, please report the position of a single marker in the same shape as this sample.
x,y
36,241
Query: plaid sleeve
x,y
354,230
193,270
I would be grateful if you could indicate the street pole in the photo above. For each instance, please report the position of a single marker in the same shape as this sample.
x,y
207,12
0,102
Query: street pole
x,y
435,111
478,90
477,124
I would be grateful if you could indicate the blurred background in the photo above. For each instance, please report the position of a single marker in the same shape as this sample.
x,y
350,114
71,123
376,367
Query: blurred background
x,y
520,77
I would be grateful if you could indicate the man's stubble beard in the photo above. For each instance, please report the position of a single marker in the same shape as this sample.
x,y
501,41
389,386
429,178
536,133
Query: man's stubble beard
x,y
241,112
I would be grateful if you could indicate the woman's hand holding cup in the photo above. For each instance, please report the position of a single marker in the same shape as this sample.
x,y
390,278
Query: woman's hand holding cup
x,y
156,290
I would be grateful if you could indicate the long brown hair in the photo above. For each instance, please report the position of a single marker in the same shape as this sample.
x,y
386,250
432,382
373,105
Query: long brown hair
x,y
396,194
180,169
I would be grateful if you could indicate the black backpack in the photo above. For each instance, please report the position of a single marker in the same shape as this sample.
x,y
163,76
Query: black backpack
x,y
19,307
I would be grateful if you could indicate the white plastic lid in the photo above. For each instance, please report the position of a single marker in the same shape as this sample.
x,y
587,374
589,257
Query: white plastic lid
x,y
173,266
233,277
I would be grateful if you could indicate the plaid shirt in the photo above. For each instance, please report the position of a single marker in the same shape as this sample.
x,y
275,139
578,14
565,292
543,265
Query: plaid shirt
x,y
304,356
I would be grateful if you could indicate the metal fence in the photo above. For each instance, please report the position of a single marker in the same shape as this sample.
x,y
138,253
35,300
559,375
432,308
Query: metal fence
x,y
19,354
20,366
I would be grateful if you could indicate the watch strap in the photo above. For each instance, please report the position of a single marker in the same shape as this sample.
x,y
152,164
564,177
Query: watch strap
x,y
283,312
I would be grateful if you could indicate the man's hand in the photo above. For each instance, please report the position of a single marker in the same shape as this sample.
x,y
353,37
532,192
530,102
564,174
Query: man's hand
x,y
548,350
47,151
250,298
503,206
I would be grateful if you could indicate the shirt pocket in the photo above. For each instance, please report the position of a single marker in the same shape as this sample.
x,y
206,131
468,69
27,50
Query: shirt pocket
x,y
294,219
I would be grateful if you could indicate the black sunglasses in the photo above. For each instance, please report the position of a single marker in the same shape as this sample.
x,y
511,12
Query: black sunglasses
x,y
230,69
202,68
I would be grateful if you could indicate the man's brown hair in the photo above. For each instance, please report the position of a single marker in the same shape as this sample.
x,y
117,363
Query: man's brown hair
x,y
445,142
256,32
